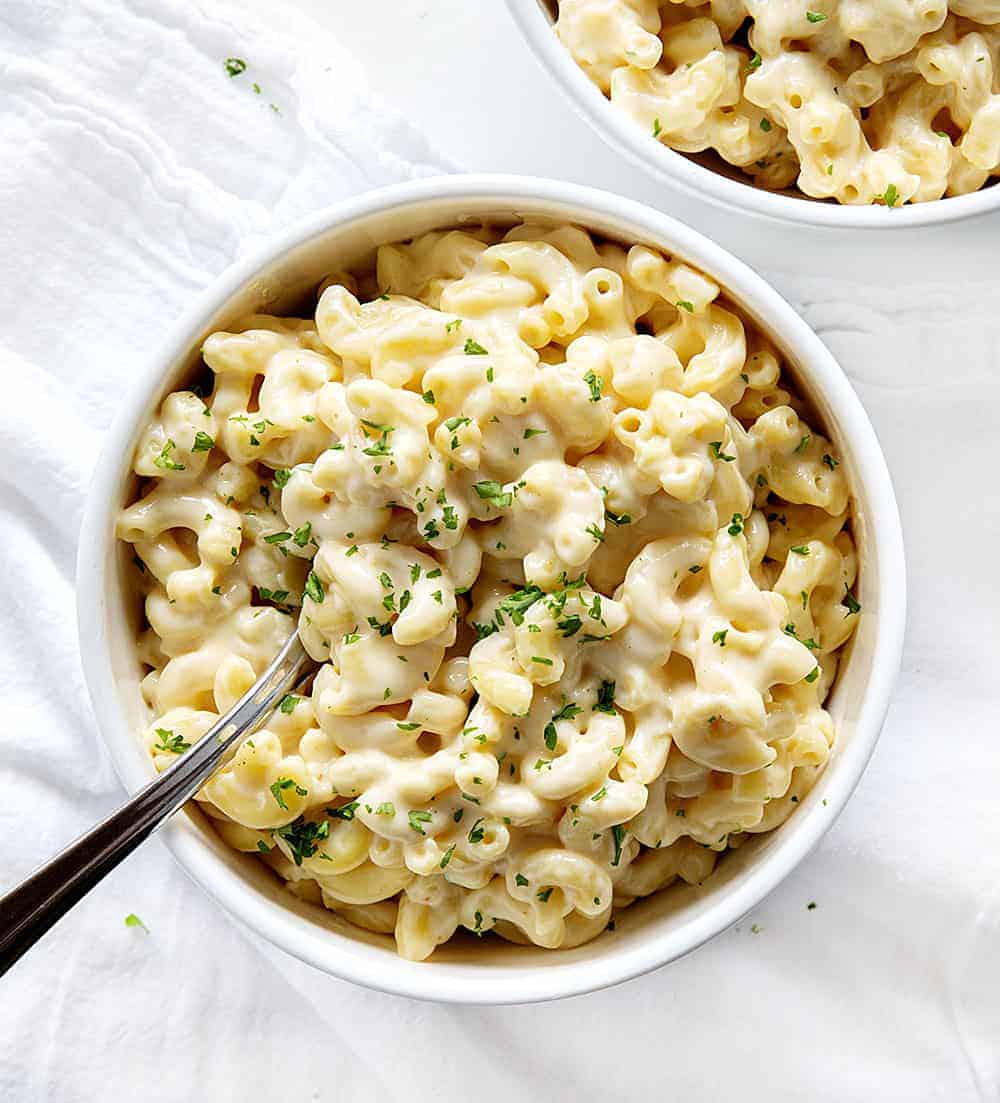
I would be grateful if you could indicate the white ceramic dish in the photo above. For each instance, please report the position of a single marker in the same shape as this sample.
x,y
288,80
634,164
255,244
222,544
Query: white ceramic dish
x,y
654,931
535,21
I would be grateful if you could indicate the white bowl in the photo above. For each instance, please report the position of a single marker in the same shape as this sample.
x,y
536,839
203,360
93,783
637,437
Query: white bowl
x,y
721,185
653,931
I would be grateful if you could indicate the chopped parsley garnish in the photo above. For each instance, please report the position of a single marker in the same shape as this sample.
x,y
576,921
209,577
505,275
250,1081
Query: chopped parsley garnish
x,y
596,385
344,812
281,477
428,397
816,16
288,703
474,348
544,894
489,490
529,433
765,125
235,66
802,445
477,834
695,569
407,725
170,743
618,519
595,532
891,196
163,460
569,626
683,304
813,674
417,819
278,790
830,461
386,808
134,921
605,698
314,588
515,605
657,129
736,525
541,660
447,856
720,637
202,442
301,535
303,837
800,549
754,63
716,446
277,538
618,835
852,603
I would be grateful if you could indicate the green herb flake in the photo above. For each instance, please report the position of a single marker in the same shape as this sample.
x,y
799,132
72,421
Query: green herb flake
x,y
202,442
303,837
474,348
489,490
134,921
235,66
717,453
170,743
606,698
314,588
596,385
163,460
278,790
417,819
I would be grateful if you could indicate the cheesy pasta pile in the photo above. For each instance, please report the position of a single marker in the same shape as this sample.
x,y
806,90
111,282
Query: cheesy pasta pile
x,y
575,565
861,101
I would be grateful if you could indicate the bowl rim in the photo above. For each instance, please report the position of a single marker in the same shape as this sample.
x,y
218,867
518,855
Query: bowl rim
x,y
459,982
701,182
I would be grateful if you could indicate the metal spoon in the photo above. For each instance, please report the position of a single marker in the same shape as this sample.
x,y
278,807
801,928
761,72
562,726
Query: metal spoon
x,y
29,910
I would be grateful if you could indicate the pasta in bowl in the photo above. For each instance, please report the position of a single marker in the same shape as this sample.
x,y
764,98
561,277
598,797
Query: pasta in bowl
x,y
863,103
577,558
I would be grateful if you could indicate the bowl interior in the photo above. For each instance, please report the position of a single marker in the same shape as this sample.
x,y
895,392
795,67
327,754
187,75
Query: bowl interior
x,y
650,932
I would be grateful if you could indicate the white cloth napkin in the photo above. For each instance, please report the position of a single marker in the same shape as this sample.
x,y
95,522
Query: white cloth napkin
x,y
133,169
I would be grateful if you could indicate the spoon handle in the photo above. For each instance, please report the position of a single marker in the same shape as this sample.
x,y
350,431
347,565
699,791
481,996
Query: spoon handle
x,y
29,910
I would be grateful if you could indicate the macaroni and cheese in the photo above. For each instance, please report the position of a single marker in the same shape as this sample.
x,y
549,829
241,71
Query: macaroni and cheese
x,y
575,561
860,101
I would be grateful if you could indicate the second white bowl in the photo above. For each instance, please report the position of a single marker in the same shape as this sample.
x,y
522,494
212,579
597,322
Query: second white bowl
x,y
722,188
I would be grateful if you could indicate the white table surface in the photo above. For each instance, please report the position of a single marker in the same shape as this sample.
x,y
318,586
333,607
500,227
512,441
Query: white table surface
x,y
894,981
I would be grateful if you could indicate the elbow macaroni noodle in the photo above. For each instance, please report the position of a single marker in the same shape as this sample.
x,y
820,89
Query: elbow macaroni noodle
x,y
575,564
859,101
